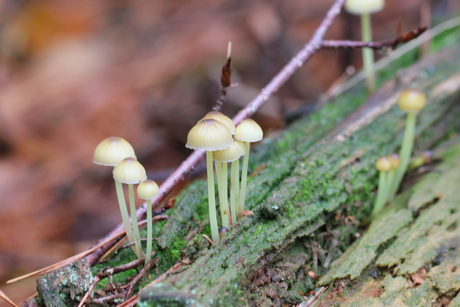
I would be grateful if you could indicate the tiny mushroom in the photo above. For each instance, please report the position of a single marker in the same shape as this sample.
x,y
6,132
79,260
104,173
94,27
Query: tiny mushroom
x,y
383,165
210,135
364,8
129,171
147,190
248,131
395,161
410,101
110,152
230,154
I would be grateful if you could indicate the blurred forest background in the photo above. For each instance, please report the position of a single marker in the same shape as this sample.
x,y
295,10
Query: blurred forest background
x,y
73,73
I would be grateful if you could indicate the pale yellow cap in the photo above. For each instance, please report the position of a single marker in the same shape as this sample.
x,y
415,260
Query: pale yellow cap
x,y
147,189
210,135
249,131
129,171
359,7
229,154
411,100
395,161
112,150
383,164
222,118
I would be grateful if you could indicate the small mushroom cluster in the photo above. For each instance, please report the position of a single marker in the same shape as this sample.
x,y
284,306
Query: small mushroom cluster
x,y
118,153
393,167
224,143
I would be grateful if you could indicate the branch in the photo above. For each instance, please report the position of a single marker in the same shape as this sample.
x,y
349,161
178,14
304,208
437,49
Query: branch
x,y
272,87
404,38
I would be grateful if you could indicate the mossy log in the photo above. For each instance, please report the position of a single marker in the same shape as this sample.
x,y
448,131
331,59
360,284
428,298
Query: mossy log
x,y
314,186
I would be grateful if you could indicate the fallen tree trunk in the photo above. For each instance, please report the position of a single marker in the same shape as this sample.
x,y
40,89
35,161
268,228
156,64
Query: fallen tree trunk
x,y
316,184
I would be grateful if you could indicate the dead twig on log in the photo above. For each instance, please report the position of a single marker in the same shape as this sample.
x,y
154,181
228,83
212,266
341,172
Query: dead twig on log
x,y
392,43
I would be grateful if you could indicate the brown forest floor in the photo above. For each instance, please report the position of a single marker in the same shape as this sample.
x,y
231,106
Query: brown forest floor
x,y
74,73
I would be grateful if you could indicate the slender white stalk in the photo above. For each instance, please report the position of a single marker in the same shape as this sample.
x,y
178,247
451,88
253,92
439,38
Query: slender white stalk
x,y
244,179
212,198
124,212
221,172
405,152
148,251
368,53
234,189
382,193
135,225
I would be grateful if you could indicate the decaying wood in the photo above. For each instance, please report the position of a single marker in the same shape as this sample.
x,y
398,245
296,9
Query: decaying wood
x,y
307,188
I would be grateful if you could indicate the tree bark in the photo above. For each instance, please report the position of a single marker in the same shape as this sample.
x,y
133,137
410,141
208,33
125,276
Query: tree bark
x,y
315,184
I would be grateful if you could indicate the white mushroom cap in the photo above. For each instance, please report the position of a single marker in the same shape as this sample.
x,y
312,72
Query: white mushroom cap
x,y
359,7
222,118
210,135
249,131
112,150
129,171
147,189
229,154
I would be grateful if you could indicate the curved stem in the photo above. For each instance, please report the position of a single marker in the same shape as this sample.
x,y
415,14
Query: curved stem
x,y
124,212
244,179
405,152
368,53
221,171
148,251
137,237
234,189
381,193
211,198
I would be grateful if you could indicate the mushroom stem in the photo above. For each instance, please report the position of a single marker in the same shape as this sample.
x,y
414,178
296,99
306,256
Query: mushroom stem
x,y
405,152
211,198
135,225
221,171
148,251
234,189
124,212
244,179
368,53
381,193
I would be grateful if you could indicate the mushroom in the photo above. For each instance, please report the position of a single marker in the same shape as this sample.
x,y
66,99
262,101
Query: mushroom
x,y
247,131
147,190
210,135
110,152
395,161
221,177
364,8
410,101
129,171
383,165
222,232
230,154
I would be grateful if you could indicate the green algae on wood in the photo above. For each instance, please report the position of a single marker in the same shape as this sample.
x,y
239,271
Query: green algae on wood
x,y
314,187
65,286
381,230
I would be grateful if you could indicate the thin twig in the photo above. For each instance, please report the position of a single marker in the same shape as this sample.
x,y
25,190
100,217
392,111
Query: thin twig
x,y
133,300
7,299
272,87
107,273
104,299
142,272
392,43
